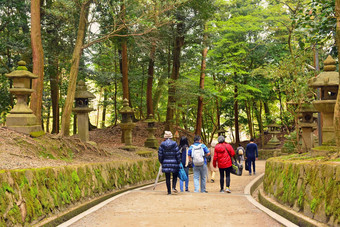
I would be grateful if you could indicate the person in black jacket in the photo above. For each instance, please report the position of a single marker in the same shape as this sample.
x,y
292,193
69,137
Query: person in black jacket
x,y
183,148
169,156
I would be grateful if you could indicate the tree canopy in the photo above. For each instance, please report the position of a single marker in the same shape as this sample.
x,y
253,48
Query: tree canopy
x,y
240,60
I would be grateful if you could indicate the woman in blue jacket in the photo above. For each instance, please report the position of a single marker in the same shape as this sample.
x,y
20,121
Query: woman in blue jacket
x,y
169,157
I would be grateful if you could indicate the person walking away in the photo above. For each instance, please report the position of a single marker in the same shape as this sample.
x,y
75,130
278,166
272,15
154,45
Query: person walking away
x,y
223,154
251,155
240,153
170,158
211,170
183,147
197,154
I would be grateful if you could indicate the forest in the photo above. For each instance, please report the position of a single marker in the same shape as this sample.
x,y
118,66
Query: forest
x,y
196,64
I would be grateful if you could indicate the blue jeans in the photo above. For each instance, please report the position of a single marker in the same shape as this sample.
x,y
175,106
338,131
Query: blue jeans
x,y
200,172
186,169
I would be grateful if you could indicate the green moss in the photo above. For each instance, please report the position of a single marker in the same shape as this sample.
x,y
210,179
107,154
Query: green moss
x,y
47,190
314,204
145,153
7,188
75,178
326,148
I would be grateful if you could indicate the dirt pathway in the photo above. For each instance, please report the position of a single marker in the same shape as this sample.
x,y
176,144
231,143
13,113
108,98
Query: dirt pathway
x,y
145,207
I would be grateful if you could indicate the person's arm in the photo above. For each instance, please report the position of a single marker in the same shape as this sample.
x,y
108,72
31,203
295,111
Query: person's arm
x,y
231,150
206,150
189,153
178,155
160,154
257,153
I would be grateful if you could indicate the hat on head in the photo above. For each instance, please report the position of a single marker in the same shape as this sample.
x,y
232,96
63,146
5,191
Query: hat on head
x,y
167,134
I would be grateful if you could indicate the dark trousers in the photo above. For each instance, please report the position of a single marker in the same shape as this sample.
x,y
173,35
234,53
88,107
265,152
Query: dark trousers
x,y
174,181
227,176
250,161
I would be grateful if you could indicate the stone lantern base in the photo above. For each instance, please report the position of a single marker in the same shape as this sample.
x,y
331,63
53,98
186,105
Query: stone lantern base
x,y
24,123
151,143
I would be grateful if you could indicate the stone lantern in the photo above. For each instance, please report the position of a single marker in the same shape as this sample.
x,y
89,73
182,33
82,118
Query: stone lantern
x,y
21,117
82,97
127,125
328,83
273,129
307,124
221,132
151,141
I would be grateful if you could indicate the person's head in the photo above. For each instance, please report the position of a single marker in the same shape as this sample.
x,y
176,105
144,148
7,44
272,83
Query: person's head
x,y
183,141
197,139
167,135
221,139
252,140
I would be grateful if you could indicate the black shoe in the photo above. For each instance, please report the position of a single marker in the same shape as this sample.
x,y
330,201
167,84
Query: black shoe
x,y
222,191
205,192
187,190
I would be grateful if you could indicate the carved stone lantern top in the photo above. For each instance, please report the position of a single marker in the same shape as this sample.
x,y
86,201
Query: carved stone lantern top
x,y
274,128
21,72
126,112
82,97
82,92
221,132
126,108
329,77
21,78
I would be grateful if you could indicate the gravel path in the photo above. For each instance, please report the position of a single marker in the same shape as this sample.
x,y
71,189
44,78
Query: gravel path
x,y
147,207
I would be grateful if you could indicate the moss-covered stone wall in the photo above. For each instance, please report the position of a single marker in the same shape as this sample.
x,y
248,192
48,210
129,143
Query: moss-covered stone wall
x,y
308,186
30,195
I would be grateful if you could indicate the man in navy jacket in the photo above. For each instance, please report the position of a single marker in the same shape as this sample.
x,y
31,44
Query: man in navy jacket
x,y
251,155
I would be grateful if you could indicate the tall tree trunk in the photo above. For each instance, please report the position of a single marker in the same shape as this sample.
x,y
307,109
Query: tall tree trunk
x,y
104,108
38,59
202,77
77,52
125,78
54,84
179,42
237,129
116,62
48,117
337,104
258,114
149,103
249,118
266,111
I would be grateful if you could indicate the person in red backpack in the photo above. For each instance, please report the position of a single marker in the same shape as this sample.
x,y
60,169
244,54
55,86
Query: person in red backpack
x,y
222,157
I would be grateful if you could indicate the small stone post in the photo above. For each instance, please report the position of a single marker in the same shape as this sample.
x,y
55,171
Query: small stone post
x,y
21,117
307,125
127,125
273,129
82,109
151,141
